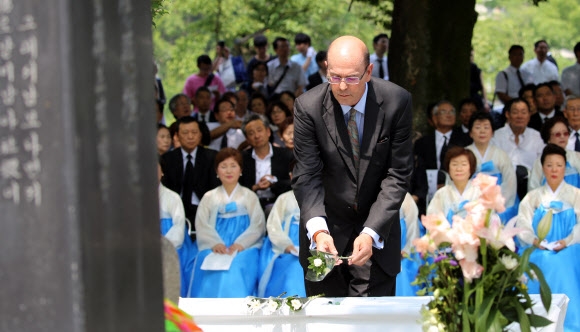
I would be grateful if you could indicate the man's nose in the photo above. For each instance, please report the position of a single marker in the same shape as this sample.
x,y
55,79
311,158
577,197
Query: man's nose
x,y
342,85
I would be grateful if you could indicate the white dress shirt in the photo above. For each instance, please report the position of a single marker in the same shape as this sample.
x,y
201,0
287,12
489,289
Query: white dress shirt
x,y
194,198
572,140
263,167
374,59
512,86
571,79
542,71
235,137
526,152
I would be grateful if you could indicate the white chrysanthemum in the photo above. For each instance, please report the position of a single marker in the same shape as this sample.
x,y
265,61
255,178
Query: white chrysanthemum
x,y
509,262
317,262
296,304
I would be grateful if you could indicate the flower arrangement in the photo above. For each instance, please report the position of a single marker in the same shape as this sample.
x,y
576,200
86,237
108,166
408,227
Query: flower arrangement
x,y
176,320
273,305
477,280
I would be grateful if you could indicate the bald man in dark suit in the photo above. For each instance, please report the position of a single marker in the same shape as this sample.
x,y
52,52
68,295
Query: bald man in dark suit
x,y
354,162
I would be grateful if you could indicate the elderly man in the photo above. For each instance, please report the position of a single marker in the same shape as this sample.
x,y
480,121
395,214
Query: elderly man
x,y
523,144
542,69
354,162
265,166
572,113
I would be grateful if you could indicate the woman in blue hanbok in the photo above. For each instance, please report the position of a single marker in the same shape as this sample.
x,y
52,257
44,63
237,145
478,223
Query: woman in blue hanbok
x,y
279,266
229,221
558,264
556,131
173,227
450,199
493,161
409,219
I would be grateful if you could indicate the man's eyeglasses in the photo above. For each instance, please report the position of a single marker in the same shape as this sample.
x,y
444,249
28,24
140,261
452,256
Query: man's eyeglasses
x,y
348,80
560,134
445,112
573,109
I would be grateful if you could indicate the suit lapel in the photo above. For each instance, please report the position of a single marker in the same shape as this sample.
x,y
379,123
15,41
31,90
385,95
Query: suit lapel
x,y
372,127
334,120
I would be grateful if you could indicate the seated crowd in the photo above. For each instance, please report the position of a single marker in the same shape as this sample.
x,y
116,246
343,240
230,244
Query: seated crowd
x,y
228,160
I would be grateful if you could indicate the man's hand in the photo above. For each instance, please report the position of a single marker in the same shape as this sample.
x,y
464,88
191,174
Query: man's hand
x,y
324,242
362,249
264,183
236,124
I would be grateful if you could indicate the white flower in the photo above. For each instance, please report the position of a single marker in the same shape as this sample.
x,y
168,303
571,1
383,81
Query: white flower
x,y
271,307
523,279
509,262
317,262
254,305
296,304
533,275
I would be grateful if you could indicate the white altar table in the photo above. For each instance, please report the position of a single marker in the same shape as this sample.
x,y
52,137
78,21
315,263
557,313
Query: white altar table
x,y
370,314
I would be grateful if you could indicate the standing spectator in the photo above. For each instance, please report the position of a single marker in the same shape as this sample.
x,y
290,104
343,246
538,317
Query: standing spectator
x,y
466,109
379,58
159,87
206,78
545,103
242,111
558,94
509,81
572,113
277,112
224,67
284,74
306,54
320,76
262,56
542,69
571,75
260,80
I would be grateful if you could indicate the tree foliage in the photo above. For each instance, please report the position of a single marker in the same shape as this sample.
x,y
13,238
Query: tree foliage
x,y
193,27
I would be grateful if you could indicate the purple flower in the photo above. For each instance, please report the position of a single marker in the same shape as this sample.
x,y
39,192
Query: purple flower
x,y
453,262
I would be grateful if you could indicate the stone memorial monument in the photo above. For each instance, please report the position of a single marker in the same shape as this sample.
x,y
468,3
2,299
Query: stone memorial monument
x,y
79,238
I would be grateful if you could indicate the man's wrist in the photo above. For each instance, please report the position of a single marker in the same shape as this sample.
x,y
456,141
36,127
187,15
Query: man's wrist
x,y
318,232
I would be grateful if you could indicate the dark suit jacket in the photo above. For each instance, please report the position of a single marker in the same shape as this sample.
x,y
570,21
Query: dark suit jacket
x,y
204,175
536,121
211,117
425,147
324,179
281,159
314,80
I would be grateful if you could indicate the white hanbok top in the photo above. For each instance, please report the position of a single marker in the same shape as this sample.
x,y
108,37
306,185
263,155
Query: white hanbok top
x,y
207,212
543,196
284,209
447,197
537,173
410,213
502,161
170,206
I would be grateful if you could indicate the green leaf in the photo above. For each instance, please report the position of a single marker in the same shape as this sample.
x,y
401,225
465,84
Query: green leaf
x,y
539,321
545,292
523,319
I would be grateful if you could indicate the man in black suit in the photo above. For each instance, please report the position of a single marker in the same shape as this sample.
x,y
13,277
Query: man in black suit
x,y
320,76
265,166
545,104
432,148
189,170
354,161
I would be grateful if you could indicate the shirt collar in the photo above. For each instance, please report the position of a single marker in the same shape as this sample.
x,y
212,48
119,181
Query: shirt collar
x,y
193,153
360,106
549,115
439,135
268,156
